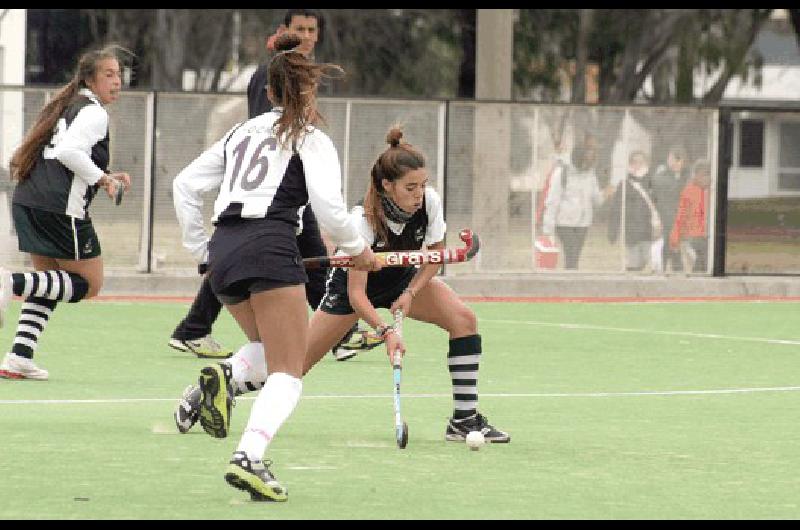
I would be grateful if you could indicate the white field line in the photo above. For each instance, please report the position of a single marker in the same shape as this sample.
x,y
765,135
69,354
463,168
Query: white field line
x,y
428,396
645,331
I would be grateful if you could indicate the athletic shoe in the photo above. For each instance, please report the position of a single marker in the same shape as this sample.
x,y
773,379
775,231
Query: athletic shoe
x,y
188,410
6,292
205,347
216,399
457,430
254,477
355,341
16,367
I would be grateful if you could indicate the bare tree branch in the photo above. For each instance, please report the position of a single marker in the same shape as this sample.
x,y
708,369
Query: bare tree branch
x,y
740,42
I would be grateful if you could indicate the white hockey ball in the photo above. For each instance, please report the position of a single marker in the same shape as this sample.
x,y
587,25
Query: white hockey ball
x,y
475,440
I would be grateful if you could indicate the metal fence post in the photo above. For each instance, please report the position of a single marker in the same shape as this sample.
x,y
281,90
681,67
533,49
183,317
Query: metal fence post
x,y
724,156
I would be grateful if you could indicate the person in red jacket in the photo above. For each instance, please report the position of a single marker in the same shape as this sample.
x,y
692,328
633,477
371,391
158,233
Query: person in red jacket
x,y
690,230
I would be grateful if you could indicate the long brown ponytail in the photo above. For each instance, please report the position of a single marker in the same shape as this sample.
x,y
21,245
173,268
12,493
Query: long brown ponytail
x,y
294,78
398,159
39,135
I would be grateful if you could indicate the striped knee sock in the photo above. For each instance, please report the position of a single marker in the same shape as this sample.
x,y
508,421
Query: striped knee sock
x,y
53,285
32,320
463,361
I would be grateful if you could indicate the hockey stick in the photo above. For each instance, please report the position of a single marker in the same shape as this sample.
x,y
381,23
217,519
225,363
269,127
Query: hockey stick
x,y
406,258
400,427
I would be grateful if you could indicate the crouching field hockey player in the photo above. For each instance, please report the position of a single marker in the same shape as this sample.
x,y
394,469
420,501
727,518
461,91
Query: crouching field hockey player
x,y
400,213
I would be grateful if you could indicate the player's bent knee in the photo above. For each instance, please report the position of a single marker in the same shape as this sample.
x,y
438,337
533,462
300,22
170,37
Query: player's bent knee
x,y
468,320
463,322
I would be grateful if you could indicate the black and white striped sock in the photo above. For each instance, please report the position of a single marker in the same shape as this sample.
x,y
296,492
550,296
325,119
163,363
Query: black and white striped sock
x,y
463,361
53,285
33,319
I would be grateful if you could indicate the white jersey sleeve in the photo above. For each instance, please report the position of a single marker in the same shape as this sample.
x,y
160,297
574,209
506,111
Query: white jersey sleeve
x,y
361,222
73,146
202,175
436,225
323,182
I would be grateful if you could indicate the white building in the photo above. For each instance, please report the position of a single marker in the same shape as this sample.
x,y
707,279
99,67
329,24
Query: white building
x,y
766,138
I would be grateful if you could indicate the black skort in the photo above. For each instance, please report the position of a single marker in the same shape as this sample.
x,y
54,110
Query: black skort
x,y
54,235
337,302
246,256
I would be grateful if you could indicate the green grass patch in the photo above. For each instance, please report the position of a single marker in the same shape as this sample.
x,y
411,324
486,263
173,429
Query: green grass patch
x,y
616,411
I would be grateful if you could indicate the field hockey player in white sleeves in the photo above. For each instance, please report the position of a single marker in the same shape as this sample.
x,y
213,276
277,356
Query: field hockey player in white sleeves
x,y
266,170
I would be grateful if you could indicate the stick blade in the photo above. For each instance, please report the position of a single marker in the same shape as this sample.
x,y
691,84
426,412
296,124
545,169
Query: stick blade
x,y
402,436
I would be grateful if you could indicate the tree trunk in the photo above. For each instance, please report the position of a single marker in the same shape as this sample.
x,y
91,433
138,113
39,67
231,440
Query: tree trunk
x,y
684,82
648,49
466,70
738,52
168,59
585,18
794,16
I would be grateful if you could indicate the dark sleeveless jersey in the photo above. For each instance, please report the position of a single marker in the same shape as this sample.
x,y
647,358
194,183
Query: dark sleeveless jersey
x,y
411,238
52,186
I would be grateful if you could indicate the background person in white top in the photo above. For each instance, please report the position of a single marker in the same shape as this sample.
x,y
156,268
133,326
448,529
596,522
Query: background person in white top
x,y
266,170
573,196
59,167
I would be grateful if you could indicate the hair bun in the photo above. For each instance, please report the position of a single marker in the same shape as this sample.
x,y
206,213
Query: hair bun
x,y
287,41
394,136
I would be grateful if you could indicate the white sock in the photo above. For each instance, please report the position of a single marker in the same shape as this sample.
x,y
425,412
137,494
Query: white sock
x,y
249,366
272,407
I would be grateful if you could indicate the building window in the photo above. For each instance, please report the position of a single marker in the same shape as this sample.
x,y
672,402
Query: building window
x,y
789,157
751,143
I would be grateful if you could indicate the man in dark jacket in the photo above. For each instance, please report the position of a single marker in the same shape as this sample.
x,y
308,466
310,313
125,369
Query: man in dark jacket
x,y
668,182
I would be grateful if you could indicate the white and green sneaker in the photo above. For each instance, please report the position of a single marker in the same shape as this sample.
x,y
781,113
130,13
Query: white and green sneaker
x,y
356,340
188,411
216,399
205,347
254,477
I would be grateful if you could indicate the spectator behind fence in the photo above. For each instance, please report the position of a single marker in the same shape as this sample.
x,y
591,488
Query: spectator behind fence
x,y
668,182
690,230
571,199
642,222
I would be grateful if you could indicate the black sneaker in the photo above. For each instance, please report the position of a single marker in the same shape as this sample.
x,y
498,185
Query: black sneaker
x,y
188,410
254,477
457,430
216,399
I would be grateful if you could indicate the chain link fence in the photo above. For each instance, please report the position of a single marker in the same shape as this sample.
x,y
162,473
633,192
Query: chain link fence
x,y
548,188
